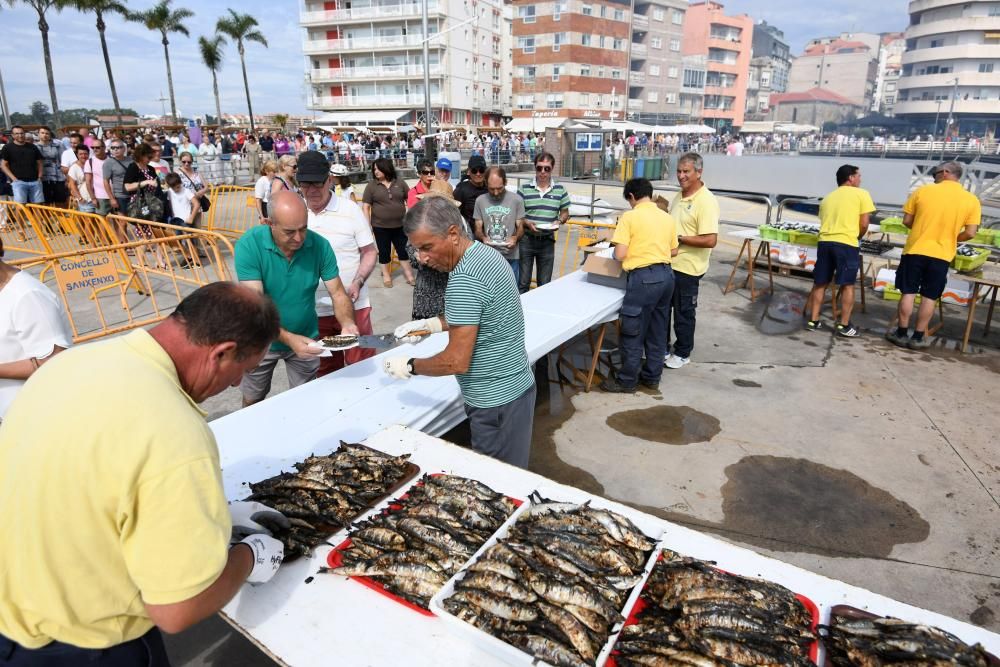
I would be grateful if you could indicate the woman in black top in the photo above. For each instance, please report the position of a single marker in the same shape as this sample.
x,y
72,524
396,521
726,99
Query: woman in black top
x,y
140,177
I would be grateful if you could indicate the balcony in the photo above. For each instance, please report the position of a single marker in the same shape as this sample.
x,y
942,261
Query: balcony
x,y
328,75
639,50
634,104
692,90
980,107
372,101
368,14
965,24
640,22
917,6
955,52
942,81
386,43
637,78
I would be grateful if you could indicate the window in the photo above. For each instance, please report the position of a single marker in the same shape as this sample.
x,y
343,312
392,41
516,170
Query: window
x,y
890,99
995,10
556,71
672,72
585,39
584,99
525,101
670,98
527,72
554,101
526,44
616,74
675,45
985,68
618,44
653,97
526,13
656,43
658,14
601,41
584,70
587,10
598,100
935,43
619,15
558,40
600,72
604,11
677,18
654,70
765,79
560,7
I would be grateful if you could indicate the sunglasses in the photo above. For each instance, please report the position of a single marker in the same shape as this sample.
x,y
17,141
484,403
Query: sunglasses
x,y
543,167
185,161
114,148
478,170
426,173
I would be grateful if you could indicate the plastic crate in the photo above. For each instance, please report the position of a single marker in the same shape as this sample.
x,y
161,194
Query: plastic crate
x,y
782,235
768,233
963,263
804,238
984,237
893,226
890,293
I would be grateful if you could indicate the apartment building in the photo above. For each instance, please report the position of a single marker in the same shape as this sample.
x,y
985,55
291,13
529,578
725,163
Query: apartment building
x,y
656,67
366,64
890,65
769,65
843,65
571,60
952,57
726,43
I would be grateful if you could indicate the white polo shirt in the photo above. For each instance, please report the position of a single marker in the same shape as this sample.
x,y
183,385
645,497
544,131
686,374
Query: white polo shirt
x,y
344,225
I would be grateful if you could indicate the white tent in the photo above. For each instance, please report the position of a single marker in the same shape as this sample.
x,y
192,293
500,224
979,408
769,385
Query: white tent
x,y
684,129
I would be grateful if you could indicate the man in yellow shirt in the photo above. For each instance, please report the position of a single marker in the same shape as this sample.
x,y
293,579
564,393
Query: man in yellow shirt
x,y
696,211
939,216
645,241
843,216
115,524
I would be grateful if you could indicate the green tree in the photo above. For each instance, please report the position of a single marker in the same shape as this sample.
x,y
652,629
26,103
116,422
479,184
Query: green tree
x,y
166,20
39,113
41,7
99,8
281,120
211,55
242,28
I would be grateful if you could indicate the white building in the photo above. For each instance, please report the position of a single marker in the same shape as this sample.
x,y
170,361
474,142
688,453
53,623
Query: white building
x,y
365,62
949,42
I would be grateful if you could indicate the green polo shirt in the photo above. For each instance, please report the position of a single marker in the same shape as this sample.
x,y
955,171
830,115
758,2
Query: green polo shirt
x,y
543,208
291,284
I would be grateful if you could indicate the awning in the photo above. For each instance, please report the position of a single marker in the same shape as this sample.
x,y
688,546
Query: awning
x,y
534,124
757,127
359,118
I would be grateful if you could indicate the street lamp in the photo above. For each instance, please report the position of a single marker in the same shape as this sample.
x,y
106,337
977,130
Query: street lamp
x,y
427,67
936,116
951,114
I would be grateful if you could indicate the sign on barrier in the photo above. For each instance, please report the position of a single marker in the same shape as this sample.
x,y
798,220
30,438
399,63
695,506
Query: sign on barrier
x,y
81,272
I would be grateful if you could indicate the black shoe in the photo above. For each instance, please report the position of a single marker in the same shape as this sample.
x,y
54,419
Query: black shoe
x,y
649,384
847,330
896,339
814,325
611,385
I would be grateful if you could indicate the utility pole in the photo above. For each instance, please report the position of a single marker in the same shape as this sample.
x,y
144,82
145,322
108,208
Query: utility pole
x,y
427,74
3,103
163,108
951,115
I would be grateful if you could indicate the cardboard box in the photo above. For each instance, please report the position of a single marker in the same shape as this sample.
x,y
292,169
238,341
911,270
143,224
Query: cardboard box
x,y
604,271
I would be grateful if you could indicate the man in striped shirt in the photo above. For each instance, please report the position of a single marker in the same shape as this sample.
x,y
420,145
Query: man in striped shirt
x,y
485,325
546,205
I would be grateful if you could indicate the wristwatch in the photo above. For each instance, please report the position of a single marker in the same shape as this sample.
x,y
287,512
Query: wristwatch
x,y
410,367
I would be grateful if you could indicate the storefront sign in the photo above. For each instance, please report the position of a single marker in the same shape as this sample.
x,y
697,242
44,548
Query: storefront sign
x,y
545,114
592,114
85,271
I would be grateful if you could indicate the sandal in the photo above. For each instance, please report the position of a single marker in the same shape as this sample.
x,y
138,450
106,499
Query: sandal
x,y
387,283
412,282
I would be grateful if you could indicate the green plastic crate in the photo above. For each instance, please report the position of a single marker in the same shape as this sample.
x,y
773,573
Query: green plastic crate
x,y
782,235
804,238
890,293
768,233
962,263
893,226
984,237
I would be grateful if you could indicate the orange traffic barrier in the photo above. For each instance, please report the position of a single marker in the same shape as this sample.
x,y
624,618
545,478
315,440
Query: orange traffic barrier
x,y
233,211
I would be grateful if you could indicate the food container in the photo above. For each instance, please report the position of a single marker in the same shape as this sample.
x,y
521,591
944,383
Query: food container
x,y
963,263
984,236
768,233
803,238
893,226
510,654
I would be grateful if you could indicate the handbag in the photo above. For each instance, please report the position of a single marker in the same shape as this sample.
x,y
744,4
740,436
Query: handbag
x,y
205,202
145,206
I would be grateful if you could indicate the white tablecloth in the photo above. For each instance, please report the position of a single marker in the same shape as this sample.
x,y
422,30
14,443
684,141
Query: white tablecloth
x,y
354,403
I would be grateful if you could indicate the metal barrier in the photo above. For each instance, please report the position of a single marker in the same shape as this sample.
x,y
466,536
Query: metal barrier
x,y
573,236
18,230
233,211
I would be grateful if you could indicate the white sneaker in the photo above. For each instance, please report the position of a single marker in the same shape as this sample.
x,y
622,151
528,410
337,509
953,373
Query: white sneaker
x,y
673,361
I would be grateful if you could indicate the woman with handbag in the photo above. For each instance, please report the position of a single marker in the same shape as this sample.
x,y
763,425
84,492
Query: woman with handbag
x,y
147,200
194,184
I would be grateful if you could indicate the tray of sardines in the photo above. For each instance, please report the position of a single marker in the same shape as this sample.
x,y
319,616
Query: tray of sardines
x,y
551,586
855,637
692,613
409,549
325,493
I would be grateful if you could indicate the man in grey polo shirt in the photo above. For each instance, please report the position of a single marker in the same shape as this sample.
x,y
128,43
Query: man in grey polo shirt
x,y
485,325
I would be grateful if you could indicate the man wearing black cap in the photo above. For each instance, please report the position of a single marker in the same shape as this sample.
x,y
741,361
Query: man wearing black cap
x,y
469,190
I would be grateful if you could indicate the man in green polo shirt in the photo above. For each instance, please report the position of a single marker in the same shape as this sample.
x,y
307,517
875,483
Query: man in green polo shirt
x,y
546,205
285,260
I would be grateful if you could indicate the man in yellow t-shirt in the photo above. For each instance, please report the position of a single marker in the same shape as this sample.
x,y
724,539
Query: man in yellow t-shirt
x,y
696,211
843,216
645,241
115,524
939,216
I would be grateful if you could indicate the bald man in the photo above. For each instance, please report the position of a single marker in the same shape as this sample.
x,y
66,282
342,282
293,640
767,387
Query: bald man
x,y
285,260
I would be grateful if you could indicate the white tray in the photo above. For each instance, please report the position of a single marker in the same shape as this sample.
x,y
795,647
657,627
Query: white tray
x,y
511,654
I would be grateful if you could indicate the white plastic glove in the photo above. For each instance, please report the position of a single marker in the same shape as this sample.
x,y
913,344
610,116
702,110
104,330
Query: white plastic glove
x,y
267,556
253,518
397,367
431,325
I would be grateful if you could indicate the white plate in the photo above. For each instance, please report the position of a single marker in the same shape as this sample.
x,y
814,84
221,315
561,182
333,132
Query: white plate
x,y
547,228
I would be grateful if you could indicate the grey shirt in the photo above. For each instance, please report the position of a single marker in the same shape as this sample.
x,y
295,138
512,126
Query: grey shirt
x,y
51,154
114,172
499,218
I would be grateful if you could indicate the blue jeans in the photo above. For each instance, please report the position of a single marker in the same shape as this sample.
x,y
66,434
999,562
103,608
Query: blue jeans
x,y
147,651
515,266
535,250
682,312
644,315
28,192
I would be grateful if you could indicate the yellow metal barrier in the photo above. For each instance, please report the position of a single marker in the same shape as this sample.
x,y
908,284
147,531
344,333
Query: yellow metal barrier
x,y
572,237
19,232
233,211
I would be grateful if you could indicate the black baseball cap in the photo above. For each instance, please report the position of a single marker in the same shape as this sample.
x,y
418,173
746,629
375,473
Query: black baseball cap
x,y
477,162
313,167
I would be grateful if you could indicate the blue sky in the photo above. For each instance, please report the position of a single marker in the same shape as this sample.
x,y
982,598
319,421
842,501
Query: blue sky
x,y
276,73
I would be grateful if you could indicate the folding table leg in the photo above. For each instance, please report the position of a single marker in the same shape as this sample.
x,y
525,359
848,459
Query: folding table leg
x,y
972,316
736,265
861,287
770,268
989,313
595,358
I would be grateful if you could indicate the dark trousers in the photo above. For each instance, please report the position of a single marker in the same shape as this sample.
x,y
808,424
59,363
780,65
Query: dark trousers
x,y
504,432
146,651
536,250
644,315
682,311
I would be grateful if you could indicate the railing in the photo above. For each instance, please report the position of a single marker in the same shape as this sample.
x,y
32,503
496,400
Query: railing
x,y
381,42
373,100
404,9
950,148
380,71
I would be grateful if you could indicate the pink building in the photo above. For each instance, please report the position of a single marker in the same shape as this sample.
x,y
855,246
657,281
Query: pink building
x,y
726,42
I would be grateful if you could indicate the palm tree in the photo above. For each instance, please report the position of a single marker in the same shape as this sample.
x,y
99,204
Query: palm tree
x,y
100,8
41,7
242,28
211,55
161,17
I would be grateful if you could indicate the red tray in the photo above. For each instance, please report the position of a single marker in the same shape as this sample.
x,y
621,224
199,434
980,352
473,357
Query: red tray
x,y
640,604
335,559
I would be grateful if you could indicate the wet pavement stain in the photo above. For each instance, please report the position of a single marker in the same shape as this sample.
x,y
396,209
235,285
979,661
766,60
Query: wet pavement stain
x,y
820,509
982,616
669,424
745,383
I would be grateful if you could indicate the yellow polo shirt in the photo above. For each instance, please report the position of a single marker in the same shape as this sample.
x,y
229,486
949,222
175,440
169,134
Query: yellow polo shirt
x,y
697,214
940,212
111,494
840,213
650,234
